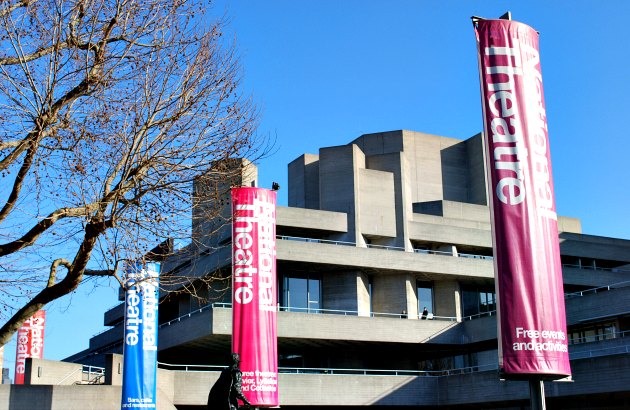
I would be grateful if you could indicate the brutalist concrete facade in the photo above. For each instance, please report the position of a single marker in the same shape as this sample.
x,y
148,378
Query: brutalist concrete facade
x,y
374,231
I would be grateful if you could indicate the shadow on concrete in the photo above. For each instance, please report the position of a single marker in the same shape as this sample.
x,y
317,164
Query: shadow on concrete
x,y
29,397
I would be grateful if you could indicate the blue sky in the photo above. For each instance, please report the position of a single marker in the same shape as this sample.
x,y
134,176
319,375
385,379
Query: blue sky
x,y
324,72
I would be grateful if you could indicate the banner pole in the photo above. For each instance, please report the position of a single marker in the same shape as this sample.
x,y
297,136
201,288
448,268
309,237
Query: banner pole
x,y
536,385
537,394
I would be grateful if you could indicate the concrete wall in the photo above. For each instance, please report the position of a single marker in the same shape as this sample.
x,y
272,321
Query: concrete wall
x,y
447,299
377,204
600,375
455,168
340,290
443,233
423,156
606,304
385,260
477,187
364,302
590,278
211,211
40,371
394,163
390,293
310,219
572,225
339,185
304,182
597,247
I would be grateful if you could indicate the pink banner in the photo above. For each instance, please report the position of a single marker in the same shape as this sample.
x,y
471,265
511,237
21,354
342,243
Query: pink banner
x,y
532,323
30,343
254,295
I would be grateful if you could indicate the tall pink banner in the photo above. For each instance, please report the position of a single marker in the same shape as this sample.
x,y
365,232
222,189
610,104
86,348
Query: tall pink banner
x,y
532,323
30,343
254,295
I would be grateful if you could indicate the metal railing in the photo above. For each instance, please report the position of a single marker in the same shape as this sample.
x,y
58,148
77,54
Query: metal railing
x,y
339,371
597,290
314,240
94,374
89,375
191,367
586,267
608,351
312,311
625,349
356,313
384,247
386,372
433,252
194,312
479,315
599,337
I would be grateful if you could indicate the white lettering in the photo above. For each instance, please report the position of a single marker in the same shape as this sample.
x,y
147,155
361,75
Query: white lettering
x,y
141,312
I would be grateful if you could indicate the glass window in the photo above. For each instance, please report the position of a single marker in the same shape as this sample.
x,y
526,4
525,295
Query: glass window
x,y
425,296
314,294
301,292
478,299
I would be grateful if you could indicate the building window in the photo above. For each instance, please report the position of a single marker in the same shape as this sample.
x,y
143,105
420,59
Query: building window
x,y
301,292
593,333
477,300
425,296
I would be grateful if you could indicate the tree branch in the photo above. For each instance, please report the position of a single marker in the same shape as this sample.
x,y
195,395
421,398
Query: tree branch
x,y
66,285
11,9
41,227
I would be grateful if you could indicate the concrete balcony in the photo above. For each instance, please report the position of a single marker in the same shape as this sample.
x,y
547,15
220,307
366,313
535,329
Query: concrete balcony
x,y
312,219
213,326
435,229
592,278
340,255
594,307
595,247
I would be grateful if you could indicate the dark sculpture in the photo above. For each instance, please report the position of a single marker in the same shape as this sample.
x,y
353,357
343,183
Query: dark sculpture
x,y
227,390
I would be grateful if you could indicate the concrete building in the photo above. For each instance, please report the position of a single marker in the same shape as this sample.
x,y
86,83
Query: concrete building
x,y
374,232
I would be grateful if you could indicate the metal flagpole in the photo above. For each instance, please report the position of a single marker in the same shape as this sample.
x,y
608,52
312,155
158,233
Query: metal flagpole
x,y
537,394
536,385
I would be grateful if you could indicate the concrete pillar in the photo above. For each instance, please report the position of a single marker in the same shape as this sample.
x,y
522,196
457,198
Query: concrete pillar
x,y
339,186
451,249
363,294
394,294
113,369
446,295
304,182
412,297
211,209
184,304
346,290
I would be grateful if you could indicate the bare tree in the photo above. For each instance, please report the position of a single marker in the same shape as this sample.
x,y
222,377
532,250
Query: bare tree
x,y
108,111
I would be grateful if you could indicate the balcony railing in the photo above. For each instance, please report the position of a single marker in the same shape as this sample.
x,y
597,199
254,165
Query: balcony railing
x,y
625,349
596,268
433,252
310,311
599,337
599,289
384,247
340,371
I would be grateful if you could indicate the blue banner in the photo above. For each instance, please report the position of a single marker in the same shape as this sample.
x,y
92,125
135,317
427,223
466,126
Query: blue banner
x,y
140,343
